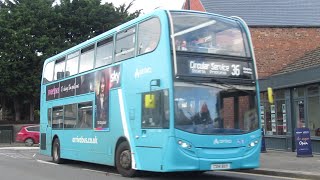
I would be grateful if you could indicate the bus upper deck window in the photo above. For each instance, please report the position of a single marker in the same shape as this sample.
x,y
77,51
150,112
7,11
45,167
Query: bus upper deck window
x,y
104,52
86,59
72,64
48,72
125,44
59,70
149,35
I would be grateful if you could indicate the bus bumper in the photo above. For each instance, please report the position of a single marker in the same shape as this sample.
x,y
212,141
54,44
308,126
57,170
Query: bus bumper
x,y
179,159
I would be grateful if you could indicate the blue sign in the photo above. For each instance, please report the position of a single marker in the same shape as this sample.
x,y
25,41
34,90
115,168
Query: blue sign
x,y
303,142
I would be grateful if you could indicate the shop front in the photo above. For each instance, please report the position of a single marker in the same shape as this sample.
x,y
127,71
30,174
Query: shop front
x,y
296,105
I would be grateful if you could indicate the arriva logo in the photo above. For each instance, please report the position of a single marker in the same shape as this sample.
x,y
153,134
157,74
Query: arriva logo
x,y
140,72
222,141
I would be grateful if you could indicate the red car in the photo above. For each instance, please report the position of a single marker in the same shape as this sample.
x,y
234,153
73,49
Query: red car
x,y
29,135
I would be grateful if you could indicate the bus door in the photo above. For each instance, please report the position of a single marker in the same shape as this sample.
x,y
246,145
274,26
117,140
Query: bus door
x,y
154,119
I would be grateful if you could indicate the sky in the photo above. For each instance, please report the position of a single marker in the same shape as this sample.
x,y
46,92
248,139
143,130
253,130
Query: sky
x,y
149,5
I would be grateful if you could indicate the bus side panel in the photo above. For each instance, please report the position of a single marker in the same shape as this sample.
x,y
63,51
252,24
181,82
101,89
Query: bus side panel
x,y
107,140
152,158
94,145
45,128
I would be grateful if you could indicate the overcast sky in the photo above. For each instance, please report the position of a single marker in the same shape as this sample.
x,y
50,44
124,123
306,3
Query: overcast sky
x,y
149,5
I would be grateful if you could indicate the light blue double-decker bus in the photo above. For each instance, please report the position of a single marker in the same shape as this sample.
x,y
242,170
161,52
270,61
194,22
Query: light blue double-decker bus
x,y
169,91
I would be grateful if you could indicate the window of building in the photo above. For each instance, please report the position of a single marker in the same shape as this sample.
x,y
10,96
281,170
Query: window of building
x,y
72,64
86,59
155,110
59,69
104,52
298,92
57,117
48,72
313,110
125,44
70,116
148,35
274,116
85,115
281,117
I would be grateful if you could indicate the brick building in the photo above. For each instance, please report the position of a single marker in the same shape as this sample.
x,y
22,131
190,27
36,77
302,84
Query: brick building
x,y
286,39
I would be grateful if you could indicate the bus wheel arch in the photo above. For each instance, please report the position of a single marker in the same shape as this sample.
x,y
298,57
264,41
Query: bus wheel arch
x,y
123,161
55,152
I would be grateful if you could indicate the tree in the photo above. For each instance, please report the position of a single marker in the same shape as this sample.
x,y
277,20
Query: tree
x,y
33,30
24,24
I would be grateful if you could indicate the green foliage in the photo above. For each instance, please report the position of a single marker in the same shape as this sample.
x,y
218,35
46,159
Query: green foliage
x,y
33,30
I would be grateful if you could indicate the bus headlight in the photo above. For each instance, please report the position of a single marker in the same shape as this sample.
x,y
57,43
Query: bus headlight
x,y
184,144
253,143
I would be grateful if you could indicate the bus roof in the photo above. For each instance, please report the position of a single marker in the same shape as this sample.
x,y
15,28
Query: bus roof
x,y
117,29
105,34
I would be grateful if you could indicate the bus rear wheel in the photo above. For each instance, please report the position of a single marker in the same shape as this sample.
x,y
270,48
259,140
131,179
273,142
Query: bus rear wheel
x,y
56,152
124,161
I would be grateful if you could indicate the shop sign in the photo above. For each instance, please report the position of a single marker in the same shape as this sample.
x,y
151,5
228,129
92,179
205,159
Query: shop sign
x,y
303,142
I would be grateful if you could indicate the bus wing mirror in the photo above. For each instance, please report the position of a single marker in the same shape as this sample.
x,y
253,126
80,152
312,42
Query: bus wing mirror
x,y
270,95
154,82
149,101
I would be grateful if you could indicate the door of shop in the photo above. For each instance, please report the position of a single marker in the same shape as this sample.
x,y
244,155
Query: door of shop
x,y
298,118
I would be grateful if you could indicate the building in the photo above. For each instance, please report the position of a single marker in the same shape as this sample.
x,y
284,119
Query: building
x,y
286,39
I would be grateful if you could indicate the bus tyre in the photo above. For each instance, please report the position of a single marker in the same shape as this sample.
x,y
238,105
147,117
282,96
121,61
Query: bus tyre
x,y
56,152
123,160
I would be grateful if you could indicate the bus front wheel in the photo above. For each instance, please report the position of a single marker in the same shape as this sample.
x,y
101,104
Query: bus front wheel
x,y
124,161
56,152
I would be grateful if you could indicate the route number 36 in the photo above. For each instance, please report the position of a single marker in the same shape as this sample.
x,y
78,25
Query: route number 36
x,y
235,70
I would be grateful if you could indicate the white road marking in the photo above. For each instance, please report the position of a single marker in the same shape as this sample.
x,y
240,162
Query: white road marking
x,y
262,175
101,172
18,148
45,162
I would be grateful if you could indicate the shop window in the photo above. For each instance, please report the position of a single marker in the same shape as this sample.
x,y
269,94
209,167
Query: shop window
x,y
281,117
279,94
313,90
274,116
298,92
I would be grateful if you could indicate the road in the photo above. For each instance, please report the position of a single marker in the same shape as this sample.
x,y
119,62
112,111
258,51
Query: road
x,y
28,164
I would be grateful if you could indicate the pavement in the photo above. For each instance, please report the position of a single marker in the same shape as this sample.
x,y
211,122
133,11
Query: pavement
x,y
275,163
287,164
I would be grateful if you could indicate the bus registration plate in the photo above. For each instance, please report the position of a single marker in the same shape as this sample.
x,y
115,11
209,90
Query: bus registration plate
x,y
220,166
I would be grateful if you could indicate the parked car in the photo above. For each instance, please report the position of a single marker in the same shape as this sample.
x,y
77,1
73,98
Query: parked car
x,y
29,135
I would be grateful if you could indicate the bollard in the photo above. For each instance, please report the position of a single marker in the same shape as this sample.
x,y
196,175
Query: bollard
x,y
263,142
